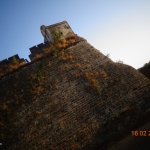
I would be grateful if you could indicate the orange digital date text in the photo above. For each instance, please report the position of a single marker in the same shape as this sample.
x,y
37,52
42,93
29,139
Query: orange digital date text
x,y
140,133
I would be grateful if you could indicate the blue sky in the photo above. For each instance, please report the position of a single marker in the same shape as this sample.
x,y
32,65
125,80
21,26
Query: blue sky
x,y
120,28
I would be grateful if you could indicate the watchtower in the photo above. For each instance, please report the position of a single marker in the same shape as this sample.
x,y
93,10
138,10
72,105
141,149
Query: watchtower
x,y
62,27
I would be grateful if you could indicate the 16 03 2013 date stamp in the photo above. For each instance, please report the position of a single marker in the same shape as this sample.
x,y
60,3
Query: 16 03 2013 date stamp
x,y
141,133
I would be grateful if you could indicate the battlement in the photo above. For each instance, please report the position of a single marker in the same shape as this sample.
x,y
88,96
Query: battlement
x,y
10,60
37,49
11,64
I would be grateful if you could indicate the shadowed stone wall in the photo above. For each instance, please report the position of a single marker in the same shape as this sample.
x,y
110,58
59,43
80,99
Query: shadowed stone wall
x,y
145,70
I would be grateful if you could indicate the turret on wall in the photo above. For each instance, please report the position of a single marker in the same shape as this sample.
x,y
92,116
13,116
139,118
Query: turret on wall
x,y
62,27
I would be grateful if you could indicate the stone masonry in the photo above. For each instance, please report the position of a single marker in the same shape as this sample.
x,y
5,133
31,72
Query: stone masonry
x,y
85,101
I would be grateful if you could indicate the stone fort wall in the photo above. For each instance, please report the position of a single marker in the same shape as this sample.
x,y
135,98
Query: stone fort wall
x,y
77,100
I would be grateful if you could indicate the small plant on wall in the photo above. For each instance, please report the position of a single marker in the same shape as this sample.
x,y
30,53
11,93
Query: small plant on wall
x,y
106,56
14,60
56,35
119,61
102,74
90,76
